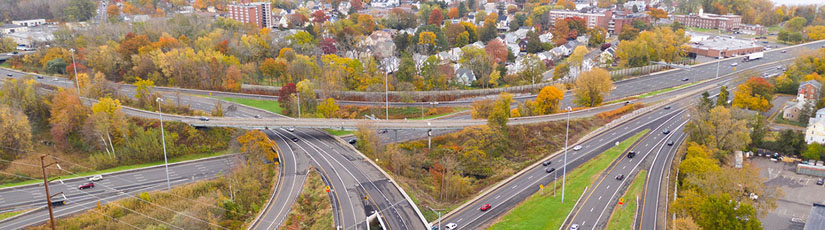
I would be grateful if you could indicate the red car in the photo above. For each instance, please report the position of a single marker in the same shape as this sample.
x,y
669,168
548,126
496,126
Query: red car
x,y
485,207
86,185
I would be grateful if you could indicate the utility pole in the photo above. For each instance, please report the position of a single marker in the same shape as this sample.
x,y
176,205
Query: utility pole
x,y
74,66
163,139
43,166
387,95
566,135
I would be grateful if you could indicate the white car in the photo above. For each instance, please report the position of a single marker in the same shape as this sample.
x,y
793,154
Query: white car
x,y
734,64
96,178
290,129
574,227
451,226
577,148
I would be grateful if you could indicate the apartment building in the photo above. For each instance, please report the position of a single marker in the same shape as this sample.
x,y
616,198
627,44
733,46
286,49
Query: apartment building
x,y
257,13
728,22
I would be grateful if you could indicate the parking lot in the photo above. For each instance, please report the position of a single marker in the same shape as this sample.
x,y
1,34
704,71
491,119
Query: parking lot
x,y
800,192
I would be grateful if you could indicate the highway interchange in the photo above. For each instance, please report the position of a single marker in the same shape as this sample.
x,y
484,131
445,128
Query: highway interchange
x,y
369,181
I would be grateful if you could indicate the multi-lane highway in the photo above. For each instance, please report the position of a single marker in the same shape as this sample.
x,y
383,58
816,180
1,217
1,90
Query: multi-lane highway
x,y
113,186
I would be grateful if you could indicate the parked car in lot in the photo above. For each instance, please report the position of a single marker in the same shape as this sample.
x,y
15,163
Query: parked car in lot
x,y
485,207
96,178
820,182
86,185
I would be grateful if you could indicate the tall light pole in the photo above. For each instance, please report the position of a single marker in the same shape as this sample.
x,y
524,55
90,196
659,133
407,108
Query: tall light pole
x,y
387,94
74,67
564,167
163,138
299,103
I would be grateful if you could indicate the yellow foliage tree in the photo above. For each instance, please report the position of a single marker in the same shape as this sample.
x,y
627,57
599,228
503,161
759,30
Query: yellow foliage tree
x,y
426,38
548,100
592,87
815,32
257,144
328,108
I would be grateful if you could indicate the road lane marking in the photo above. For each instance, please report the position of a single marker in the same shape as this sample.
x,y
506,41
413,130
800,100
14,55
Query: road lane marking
x,y
497,197
591,209
531,177
600,197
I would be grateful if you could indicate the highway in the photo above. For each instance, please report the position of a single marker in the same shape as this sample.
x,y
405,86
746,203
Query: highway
x,y
113,186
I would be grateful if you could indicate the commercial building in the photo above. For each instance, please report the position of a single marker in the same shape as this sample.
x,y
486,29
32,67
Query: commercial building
x,y
12,28
816,219
724,46
33,22
610,20
257,13
728,22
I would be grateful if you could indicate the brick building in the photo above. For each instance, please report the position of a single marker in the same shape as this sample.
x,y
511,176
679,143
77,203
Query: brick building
x,y
728,22
257,13
612,21
723,46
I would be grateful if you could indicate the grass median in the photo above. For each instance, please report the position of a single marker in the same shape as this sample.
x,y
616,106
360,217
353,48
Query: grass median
x,y
661,91
268,105
545,211
7,215
623,215
121,168
313,209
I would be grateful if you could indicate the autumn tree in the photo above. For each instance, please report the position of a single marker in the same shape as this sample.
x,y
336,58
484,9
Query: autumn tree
x,y
755,94
452,13
107,120
7,45
660,44
532,68
436,17
561,71
15,139
21,94
592,87
548,101
815,33
500,113
597,37
722,98
496,50
113,12
720,129
328,108
257,145
628,33
477,60
67,115
657,13
306,90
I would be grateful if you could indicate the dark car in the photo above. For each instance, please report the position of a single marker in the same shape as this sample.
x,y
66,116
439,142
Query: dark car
x,y
294,139
667,107
670,143
546,163
685,79
353,141
8,74
666,131
86,185
485,207
620,177
203,118
820,182
631,154
383,131
39,77
58,203
549,170
257,116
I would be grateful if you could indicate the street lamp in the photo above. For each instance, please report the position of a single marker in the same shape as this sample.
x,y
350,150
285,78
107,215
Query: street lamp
x,y
74,67
439,217
566,135
387,95
163,138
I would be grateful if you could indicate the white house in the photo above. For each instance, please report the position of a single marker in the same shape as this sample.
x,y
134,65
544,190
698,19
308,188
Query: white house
x,y
816,128
464,76
384,3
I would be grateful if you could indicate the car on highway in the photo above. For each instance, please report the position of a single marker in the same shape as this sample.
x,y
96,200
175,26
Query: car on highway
x,y
294,139
670,143
667,131
383,131
549,170
820,182
734,64
784,51
485,207
39,77
686,79
631,154
667,107
577,148
620,177
451,226
546,163
353,141
290,129
202,118
86,185
574,227
257,116
96,178
8,74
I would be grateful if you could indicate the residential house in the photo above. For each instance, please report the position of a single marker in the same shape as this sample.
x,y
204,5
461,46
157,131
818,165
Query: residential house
x,y
464,76
384,3
792,110
808,90
806,97
815,132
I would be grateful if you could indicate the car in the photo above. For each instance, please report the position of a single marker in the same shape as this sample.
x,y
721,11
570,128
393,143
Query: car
x,y
820,181
784,51
8,74
451,226
734,64
294,139
96,178
546,163
202,118
290,129
58,203
670,143
631,154
383,131
39,77
686,79
574,227
14,52
485,207
667,107
353,141
86,185
666,131
549,170
620,177
577,148
257,116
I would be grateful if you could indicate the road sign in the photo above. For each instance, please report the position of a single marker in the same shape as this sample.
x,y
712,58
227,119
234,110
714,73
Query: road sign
x,y
541,186
366,198
621,200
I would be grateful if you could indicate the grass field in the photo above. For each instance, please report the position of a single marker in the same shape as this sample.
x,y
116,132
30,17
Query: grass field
x,y
271,106
338,132
623,215
121,168
6,215
313,209
661,91
544,211
780,120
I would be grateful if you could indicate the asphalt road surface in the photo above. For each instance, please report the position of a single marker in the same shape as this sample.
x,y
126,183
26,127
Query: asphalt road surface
x,y
113,186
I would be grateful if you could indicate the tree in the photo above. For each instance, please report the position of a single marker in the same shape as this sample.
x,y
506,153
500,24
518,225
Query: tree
x,y
685,223
113,12
548,101
560,32
718,129
356,4
494,77
497,119
561,71
452,13
496,50
815,33
319,16
7,45
755,94
592,87
257,145
366,24
67,115
721,212
814,152
106,119
722,98
533,68
657,13
436,17
328,108
597,37
306,90
706,102
56,65
285,97
427,39
577,56
79,10
15,139
795,24
533,42
628,33
476,59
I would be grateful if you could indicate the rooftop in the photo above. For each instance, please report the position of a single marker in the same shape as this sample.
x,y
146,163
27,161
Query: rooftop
x,y
816,219
723,42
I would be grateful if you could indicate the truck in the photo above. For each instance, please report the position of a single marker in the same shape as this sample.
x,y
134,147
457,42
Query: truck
x,y
754,56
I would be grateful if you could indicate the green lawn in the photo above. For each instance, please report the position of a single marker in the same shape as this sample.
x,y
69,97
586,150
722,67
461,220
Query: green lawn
x,y
455,110
623,215
5,65
271,106
121,168
781,120
338,132
544,211
6,215
661,91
